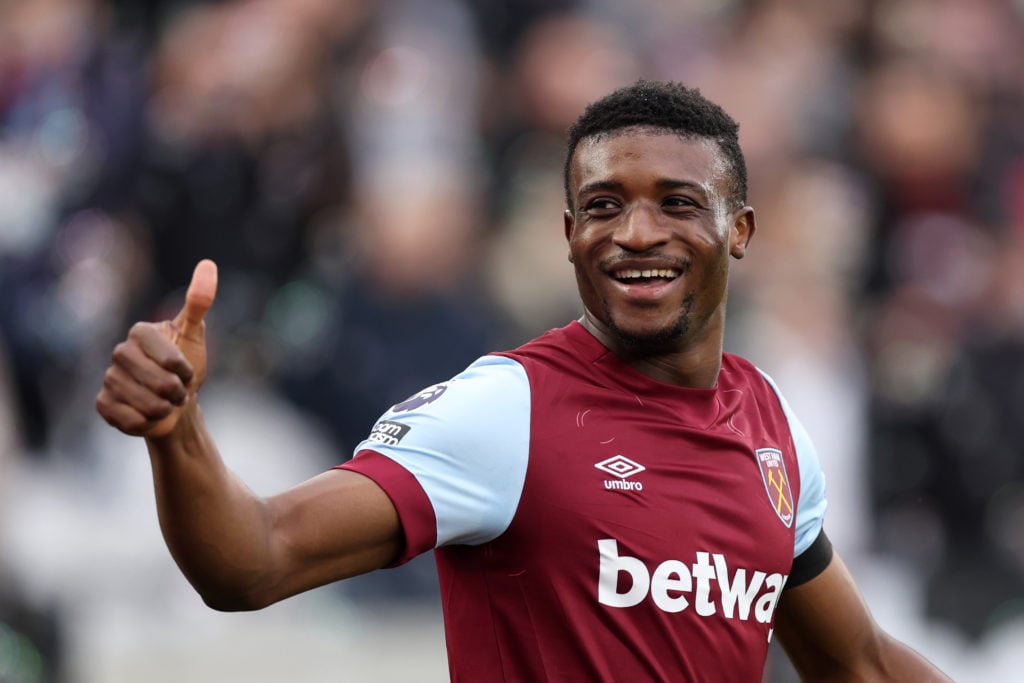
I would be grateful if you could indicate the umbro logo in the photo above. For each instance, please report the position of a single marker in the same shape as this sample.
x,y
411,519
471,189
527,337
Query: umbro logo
x,y
622,467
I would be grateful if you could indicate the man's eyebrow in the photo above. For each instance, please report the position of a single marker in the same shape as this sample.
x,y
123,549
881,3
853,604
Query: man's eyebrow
x,y
662,184
599,186
673,184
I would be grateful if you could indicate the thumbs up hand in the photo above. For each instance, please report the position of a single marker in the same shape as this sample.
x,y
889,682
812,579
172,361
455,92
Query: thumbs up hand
x,y
157,371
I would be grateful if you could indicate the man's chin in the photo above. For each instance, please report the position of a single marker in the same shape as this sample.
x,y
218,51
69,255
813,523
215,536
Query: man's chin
x,y
643,341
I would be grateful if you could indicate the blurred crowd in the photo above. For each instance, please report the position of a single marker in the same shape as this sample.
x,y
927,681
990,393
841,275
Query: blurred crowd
x,y
380,184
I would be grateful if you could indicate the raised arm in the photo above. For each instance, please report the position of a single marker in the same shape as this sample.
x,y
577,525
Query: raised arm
x,y
829,634
239,551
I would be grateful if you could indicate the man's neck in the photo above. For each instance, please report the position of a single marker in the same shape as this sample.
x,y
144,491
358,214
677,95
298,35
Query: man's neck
x,y
687,363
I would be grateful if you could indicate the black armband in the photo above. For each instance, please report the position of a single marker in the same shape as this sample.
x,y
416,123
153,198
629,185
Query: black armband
x,y
810,562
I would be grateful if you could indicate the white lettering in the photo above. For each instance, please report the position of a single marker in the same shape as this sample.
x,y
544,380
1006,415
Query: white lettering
x,y
623,485
704,573
608,582
674,585
765,607
662,582
737,591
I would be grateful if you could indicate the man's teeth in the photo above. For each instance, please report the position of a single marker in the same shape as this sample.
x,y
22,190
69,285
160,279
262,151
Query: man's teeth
x,y
656,272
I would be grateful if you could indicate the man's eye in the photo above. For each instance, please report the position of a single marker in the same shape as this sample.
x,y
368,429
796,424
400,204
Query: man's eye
x,y
601,206
679,202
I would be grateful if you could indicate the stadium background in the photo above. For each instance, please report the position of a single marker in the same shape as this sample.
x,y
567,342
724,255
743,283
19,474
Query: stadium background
x,y
380,184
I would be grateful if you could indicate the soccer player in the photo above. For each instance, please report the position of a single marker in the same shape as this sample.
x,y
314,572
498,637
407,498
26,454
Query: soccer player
x,y
616,500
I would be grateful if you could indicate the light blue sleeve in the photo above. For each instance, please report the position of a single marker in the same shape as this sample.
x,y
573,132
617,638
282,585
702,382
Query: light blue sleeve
x,y
466,441
810,508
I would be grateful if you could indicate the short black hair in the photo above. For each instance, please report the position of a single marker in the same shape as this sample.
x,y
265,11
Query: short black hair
x,y
666,105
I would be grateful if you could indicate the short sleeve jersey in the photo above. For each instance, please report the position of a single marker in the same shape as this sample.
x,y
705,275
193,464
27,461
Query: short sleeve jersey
x,y
593,524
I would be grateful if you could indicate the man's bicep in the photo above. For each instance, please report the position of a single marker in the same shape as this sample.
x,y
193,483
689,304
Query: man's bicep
x,y
336,525
824,625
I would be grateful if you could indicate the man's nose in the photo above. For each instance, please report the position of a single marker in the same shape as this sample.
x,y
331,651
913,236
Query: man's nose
x,y
642,228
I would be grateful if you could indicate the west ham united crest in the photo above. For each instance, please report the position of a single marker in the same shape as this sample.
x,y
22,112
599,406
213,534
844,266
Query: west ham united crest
x,y
776,482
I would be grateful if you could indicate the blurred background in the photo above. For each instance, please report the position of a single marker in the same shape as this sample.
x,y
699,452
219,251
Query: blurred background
x,y
380,183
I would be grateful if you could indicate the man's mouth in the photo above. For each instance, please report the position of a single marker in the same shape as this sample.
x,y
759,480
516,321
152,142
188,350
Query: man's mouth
x,y
632,276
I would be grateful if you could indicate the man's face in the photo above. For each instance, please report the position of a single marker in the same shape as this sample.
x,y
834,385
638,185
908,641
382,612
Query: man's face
x,y
650,237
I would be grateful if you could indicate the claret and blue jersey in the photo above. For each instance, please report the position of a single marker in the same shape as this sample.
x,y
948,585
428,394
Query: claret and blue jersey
x,y
594,524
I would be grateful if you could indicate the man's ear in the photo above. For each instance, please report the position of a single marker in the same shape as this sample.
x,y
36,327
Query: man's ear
x,y
570,224
743,228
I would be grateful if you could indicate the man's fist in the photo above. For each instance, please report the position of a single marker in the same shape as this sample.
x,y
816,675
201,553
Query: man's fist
x,y
159,368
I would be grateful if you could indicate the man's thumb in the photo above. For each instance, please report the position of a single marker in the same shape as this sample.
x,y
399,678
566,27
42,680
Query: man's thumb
x,y
198,298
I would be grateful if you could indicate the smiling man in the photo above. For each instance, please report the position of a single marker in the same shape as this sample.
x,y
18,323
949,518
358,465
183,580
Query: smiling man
x,y
616,500
652,223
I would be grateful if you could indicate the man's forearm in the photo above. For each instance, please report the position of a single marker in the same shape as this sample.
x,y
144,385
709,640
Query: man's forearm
x,y
215,527
900,663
